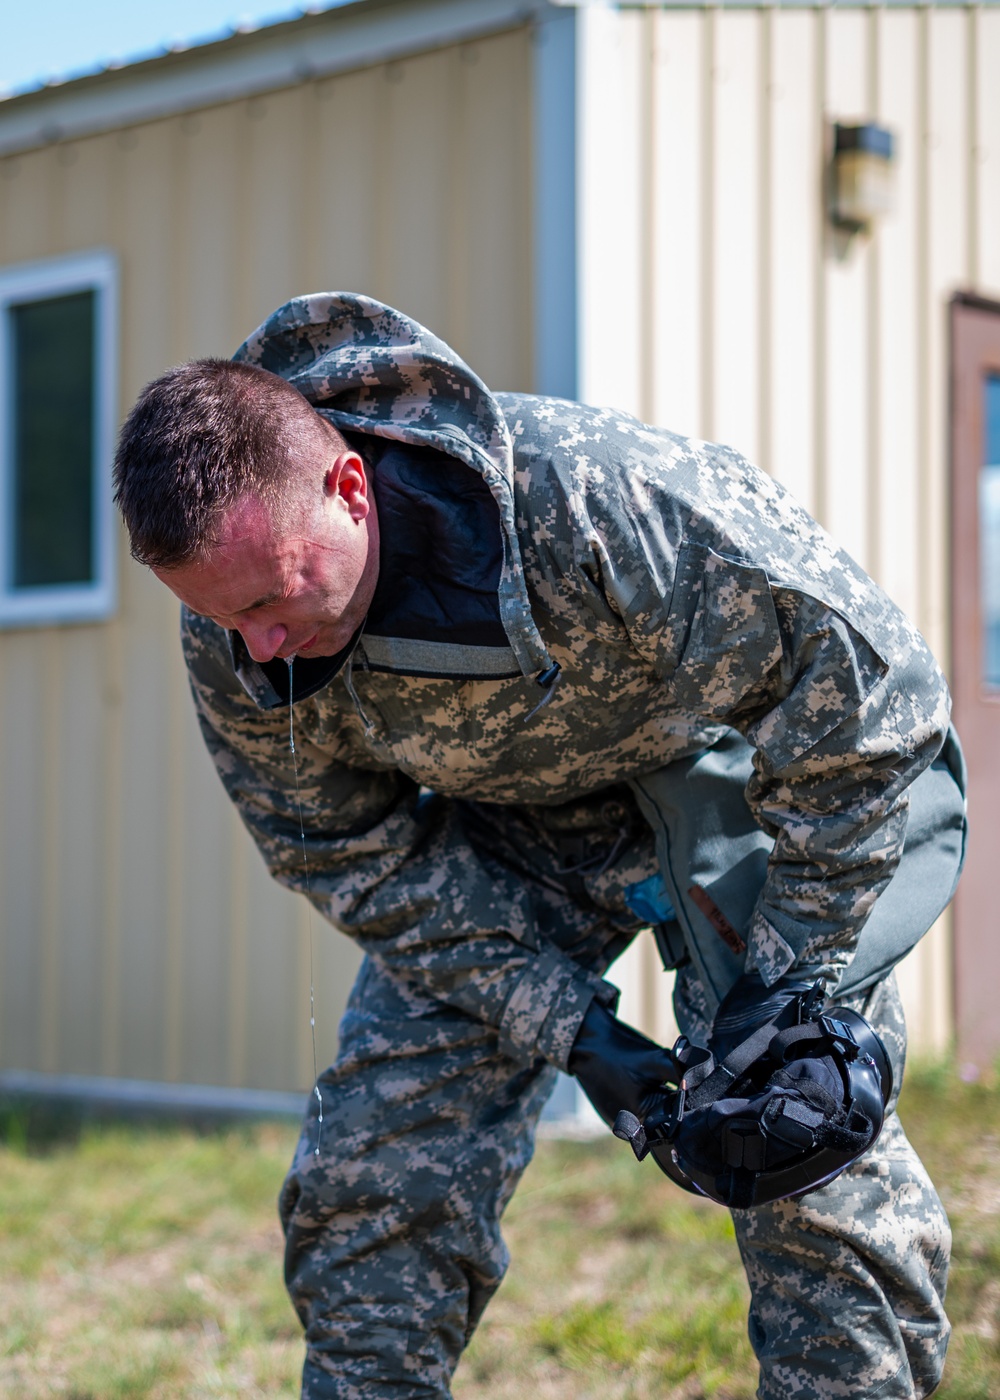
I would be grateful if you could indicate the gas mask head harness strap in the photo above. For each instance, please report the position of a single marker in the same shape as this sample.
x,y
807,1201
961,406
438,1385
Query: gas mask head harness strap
x,y
783,1113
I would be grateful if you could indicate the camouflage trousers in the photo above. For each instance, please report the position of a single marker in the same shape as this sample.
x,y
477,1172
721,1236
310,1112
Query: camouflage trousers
x,y
847,1284
393,1228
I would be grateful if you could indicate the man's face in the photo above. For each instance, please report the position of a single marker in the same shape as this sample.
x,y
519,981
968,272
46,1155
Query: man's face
x,y
302,588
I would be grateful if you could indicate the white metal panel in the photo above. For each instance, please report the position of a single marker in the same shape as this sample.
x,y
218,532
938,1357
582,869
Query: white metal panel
x,y
646,989
986,154
847,346
943,213
826,352
896,557
947,270
795,226
735,170
609,208
678,238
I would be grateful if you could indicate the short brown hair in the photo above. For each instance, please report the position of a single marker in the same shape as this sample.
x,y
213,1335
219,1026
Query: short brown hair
x,y
200,438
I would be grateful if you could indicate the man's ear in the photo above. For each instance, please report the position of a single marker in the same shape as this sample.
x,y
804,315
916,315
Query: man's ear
x,y
347,479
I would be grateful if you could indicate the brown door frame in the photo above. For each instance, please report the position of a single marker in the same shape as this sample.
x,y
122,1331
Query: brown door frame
x,y
975,353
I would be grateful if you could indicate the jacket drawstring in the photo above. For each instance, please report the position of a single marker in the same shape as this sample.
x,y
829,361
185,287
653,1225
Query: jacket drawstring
x,y
547,680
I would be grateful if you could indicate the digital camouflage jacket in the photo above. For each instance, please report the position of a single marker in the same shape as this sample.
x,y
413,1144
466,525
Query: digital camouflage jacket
x,y
655,593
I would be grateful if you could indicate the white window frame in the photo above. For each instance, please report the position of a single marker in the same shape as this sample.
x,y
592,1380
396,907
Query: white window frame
x,y
39,605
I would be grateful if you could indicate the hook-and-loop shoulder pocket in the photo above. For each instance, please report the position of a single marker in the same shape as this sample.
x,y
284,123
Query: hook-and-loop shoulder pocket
x,y
733,640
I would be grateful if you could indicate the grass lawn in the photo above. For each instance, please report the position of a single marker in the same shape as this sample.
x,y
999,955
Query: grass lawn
x,y
147,1263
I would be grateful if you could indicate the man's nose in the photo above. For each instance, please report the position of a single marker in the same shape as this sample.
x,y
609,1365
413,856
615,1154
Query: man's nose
x,y
263,641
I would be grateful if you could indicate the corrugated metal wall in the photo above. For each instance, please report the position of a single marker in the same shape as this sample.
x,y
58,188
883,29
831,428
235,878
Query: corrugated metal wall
x,y
139,934
717,300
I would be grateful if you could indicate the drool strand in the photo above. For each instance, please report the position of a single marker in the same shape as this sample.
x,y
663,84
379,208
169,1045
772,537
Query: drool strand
x,y
305,872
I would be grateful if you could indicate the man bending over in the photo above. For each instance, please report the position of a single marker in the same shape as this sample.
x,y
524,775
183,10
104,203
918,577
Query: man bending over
x,y
559,676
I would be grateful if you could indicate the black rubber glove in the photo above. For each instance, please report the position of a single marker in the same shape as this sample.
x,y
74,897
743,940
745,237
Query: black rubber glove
x,y
617,1067
748,1005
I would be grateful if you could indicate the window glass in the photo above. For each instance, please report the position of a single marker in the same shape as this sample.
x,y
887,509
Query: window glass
x,y
52,355
989,532
58,406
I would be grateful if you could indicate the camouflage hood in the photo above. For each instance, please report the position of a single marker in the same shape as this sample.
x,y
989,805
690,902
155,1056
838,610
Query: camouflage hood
x,y
369,369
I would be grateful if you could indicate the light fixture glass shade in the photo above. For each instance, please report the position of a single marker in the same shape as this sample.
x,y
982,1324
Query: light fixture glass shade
x,y
864,184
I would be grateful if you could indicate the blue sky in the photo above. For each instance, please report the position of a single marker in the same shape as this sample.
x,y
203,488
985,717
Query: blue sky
x,y
42,39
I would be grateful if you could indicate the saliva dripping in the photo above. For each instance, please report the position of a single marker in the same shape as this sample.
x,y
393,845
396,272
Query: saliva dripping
x,y
305,873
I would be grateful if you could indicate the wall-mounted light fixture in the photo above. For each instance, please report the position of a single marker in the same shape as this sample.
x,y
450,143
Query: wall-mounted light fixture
x,y
862,184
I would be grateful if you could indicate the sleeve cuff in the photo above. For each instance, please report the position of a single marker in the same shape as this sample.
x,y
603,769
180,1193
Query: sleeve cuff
x,y
544,1011
767,952
773,954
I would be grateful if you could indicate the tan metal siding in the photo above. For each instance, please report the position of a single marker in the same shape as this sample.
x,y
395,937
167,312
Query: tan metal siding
x,y
825,359
139,933
715,300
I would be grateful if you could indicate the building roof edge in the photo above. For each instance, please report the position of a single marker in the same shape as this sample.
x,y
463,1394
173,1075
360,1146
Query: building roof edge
x,y
354,35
